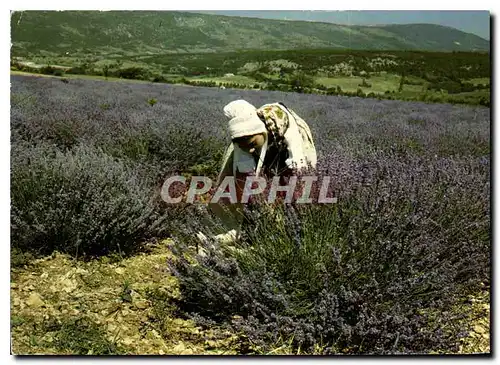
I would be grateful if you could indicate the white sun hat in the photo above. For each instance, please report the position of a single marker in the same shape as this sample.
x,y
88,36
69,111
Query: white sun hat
x,y
244,120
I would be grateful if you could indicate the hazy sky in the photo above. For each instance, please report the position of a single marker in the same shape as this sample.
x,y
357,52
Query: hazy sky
x,y
476,22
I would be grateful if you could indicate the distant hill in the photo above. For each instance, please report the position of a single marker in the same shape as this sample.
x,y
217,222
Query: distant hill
x,y
146,32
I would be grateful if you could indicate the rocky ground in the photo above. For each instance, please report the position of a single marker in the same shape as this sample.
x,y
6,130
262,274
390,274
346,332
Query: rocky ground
x,y
62,306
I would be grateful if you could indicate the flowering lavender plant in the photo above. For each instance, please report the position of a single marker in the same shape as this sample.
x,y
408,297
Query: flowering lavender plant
x,y
378,272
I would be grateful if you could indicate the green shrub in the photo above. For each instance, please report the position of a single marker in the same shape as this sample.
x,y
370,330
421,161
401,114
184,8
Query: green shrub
x,y
20,258
106,70
300,81
159,78
133,73
360,93
364,84
76,71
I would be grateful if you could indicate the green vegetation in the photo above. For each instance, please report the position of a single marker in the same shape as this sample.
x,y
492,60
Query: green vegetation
x,y
212,51
459,77
81,336
143,33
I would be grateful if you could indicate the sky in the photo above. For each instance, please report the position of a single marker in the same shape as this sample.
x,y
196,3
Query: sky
x,y
475,22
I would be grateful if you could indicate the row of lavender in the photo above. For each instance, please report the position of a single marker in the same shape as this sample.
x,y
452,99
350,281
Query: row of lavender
x,y
410,230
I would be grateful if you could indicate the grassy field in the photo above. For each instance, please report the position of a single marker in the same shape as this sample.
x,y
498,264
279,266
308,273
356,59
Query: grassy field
x,y
484,93
379,84
82,77
481,80
305,71
239,79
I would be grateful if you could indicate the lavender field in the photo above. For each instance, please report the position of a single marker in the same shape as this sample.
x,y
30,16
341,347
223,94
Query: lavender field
x,y
383,271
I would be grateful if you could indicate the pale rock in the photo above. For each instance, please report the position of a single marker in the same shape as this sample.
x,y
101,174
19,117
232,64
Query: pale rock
x,y
34,300
81,271
211,343
179,347
155,333
141,304
68,285
128,341
179,322
479,329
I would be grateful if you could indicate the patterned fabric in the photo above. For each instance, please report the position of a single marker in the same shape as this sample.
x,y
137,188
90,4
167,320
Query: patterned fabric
x,y
275,118
286,127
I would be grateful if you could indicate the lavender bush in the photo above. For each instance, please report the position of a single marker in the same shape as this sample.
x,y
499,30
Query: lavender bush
x,y
81,201
408,238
